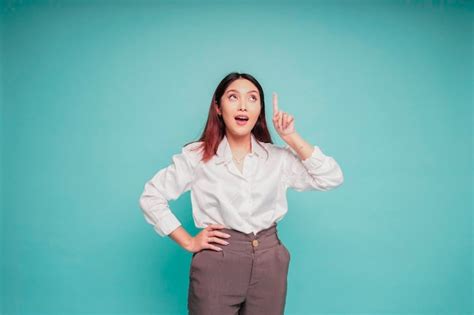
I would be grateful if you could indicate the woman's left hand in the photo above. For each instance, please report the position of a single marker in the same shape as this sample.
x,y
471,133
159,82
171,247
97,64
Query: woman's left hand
x,y
284,123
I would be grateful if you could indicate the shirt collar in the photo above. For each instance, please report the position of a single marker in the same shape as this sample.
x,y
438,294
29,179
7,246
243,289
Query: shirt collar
x,y
224,153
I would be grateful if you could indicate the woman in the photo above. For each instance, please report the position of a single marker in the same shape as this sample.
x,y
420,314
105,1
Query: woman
x,y
238,180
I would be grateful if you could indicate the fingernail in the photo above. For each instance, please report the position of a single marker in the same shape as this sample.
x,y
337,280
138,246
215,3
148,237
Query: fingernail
x,y
227,243
228,235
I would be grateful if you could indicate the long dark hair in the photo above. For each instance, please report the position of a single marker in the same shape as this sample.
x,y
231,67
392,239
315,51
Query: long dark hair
x,y
214,130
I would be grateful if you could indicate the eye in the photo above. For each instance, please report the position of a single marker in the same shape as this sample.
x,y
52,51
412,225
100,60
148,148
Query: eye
x,y
231,95
254,97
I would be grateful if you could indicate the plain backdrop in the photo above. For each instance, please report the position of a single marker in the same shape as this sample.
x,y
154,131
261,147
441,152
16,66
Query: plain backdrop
x,y
97,96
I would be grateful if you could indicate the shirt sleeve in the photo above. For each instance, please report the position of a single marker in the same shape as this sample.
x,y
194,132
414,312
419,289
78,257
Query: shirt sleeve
x,y
317,172
168,184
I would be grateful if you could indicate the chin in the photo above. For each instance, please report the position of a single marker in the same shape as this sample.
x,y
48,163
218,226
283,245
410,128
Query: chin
x,y
240,132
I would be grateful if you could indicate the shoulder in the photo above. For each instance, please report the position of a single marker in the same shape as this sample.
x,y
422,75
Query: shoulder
x,y
193,146
193,152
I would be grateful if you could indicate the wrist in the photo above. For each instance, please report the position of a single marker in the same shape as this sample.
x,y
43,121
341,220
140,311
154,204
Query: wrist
x,y
188,245
289,139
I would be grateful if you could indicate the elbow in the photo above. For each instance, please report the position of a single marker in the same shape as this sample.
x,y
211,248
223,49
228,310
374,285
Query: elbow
x,y
340,178
337,178
143,199
142,202
149,197
327,183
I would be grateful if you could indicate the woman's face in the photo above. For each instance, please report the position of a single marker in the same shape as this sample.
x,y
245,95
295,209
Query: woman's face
x,y
241,98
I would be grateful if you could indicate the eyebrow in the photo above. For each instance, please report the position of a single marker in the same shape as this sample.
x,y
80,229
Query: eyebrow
x,y
238,91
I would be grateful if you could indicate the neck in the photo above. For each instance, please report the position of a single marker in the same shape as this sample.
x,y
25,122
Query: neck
x,y
239,145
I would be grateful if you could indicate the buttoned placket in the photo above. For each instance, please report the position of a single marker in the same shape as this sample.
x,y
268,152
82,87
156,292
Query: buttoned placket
x,y
248,174
249,170
234,170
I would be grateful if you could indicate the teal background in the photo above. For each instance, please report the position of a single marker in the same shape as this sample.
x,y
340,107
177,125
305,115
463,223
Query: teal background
x,y
97,96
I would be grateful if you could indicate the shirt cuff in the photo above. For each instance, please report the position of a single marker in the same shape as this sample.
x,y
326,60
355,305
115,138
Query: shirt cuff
x,y
167,224
315,160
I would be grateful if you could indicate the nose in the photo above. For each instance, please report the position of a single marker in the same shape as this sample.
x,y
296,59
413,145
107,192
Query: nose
x,y
243,105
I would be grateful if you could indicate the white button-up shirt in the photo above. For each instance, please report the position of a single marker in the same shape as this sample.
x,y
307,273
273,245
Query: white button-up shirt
x,y
220,194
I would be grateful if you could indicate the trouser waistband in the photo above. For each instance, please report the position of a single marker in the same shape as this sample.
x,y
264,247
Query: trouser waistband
x,y
239,241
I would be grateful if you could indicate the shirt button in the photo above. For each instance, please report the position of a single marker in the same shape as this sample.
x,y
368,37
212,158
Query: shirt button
x,y
255,243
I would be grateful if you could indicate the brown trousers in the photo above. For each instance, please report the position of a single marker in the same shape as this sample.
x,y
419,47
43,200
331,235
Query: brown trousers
x,y
248,277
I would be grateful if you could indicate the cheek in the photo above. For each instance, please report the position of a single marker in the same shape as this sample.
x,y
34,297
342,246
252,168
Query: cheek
x,y
257,112
228,118
226,112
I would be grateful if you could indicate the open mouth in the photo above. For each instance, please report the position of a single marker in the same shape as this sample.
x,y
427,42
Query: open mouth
x,y
241,119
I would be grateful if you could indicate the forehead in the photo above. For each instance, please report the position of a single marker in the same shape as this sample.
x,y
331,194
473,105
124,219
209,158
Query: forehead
x,y
243,86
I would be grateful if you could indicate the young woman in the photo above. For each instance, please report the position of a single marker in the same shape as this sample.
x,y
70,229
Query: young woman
x,y
238,180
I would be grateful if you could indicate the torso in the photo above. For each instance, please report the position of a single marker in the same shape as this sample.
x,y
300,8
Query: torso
x,y
240,166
